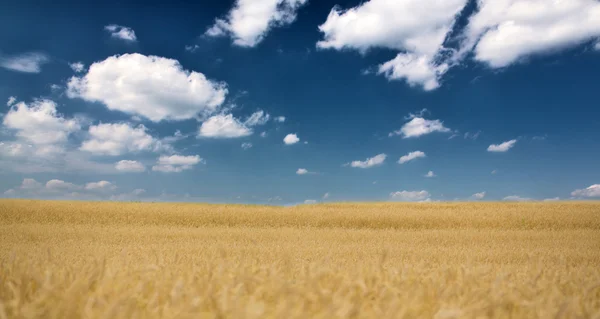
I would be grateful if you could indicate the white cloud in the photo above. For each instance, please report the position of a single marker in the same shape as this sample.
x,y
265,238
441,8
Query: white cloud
x,y
60,185
257,118
555,199
27,62
246,145
502,32
478,195
417,28
192,48
326,196
302,171
279,119
263,134
176,163
77,67
119,138
223,126
30,184
101,186
310,201
291,139
430,174
249,21
153,87
11,100
39,124
494,172
130,166
411,156
121,32
410,196
516,198
369,162
592,191
503,147
418,126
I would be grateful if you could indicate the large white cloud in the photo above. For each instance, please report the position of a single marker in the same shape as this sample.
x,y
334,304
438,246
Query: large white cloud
x,y
411,156
410,196
369,162
416,28
249,21
592,191
39,128
176,163
119,138
150,86
419,126
502,147
223,126
30,62
504,31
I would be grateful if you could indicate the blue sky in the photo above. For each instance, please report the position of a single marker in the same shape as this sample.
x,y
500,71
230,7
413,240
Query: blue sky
x,y
287,101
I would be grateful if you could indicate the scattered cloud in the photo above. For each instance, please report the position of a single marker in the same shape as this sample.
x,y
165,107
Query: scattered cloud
x,y
257,118
503,147
430,174
263,134
302,171
310,201
279,119
472,136
223,126
369,162
291,139
418,126
101,186
249,21
246,145
555,199
326,196
30,62
129,166
61,186
176,163
192,48
30,183
77,67
411,156
11,101
592,191
478,195
153,87
59,189
410,196
119,138
494,172
121,32
516,198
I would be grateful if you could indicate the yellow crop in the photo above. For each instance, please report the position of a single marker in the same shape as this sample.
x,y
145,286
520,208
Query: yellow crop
x,y
372,260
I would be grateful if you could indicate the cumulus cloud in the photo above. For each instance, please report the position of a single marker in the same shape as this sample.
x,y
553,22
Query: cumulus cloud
x,y
77,67
257,118
369,162
502,32
592,191
302,171
60,189
121,32
30,183
101,186
516,198
153,87
279,119
11,101
416,28
223,126
249,21
119,138
430,174
60,185
176,163
246,146
30,62
291,139
410,196
130,166
411,156
418,126
478,195
503,147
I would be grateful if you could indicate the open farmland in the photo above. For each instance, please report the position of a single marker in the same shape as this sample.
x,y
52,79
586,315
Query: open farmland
x,y
63,259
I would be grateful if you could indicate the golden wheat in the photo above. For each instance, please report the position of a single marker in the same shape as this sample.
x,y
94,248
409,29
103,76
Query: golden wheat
x,y
373,260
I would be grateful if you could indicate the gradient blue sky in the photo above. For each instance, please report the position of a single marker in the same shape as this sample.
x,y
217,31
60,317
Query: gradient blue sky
x,y
462,76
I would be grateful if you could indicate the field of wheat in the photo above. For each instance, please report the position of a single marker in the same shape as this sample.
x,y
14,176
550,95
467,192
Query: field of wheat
x,y
378,260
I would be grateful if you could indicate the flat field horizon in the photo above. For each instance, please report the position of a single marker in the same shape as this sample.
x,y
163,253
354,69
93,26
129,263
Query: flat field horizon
x,y
69,259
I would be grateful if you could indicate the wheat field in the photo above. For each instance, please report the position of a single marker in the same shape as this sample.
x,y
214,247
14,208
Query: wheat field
x,y
62,259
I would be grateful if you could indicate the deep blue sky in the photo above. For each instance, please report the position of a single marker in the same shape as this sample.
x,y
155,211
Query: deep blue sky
x,y
548,102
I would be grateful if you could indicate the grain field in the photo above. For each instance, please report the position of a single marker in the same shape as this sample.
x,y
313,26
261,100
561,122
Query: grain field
x,y
62,259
